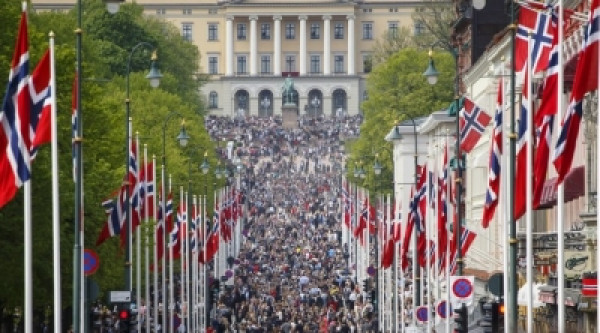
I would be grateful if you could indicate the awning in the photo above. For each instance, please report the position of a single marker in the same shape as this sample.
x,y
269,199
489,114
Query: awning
x,y
574,188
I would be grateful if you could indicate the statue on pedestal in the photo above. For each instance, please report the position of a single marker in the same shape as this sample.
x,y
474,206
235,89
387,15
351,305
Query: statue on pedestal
x,y
288,93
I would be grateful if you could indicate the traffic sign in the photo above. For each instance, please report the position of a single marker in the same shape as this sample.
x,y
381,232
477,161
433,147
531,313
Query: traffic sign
x,y
443,309
462,288
90,262
422,312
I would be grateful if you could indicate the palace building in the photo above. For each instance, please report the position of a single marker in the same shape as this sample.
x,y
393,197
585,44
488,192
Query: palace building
x,y
249,47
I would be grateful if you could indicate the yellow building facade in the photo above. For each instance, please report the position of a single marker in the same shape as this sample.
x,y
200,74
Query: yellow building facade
x,y
248,48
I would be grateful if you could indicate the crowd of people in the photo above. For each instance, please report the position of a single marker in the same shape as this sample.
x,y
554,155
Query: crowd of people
x,y
291,274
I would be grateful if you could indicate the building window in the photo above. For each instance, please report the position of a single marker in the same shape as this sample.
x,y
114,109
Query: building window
x,y
338,31
187,11
186,31
367,63
241,64
419,28
393,29
367,30
338,64
265,31
213,100
315,31
213,31
241,31
213,65
161,11
212,11
367,10
265,64
315,64
290,31
290,63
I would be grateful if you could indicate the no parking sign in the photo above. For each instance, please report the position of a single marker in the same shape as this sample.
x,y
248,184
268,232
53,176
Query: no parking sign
x,y
443,309
422,314
462,289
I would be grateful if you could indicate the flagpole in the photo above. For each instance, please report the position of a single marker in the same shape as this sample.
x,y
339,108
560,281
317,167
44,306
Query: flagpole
x,y
163,199
182,250
171,291
512,310
146,241
138,251
504,195
155,248
529,189
55,194
560,211
597,172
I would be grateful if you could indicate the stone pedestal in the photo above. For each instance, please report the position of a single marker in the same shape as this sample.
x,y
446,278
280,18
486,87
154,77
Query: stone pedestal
x,y
289,116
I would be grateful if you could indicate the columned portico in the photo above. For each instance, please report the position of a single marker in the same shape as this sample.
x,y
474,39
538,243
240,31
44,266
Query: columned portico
x,y
229,46
326,44
303,44
277,46
351,45
253,45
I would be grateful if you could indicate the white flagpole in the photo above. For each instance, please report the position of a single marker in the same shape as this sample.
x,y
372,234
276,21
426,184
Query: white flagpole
x,y
203,280
55,195
448,240
194,300
182,250
560,210
154,248
427,282
138,250
171,289
528,191
146,241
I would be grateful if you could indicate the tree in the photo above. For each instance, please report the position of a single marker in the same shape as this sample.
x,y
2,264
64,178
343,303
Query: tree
x,y
435,17
107,41
397,90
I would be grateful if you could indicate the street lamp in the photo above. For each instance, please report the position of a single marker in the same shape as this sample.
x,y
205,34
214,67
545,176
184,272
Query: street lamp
x,y
154,77
112,6
183,139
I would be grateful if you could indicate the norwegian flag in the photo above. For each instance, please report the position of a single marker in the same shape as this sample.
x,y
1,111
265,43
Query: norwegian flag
x,y
408,231
442,221
135,186
472,122
585,80
493,190
193,227
544,121
14,119
540,25
420,202
147,190
363,220
115,213
74,134
160,226
42,98
521,163
176,235
212,242
467,237
347,204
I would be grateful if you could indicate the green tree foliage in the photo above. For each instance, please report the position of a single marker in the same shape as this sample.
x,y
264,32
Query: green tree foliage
x,y
107,43
397,90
